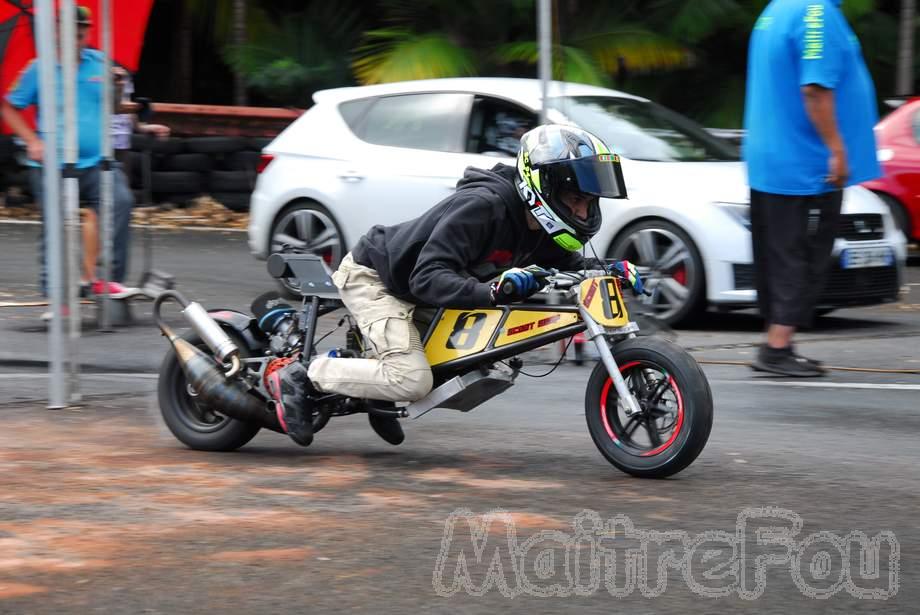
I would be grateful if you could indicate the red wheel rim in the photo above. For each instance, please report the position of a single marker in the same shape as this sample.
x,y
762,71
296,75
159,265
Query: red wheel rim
x,y
677,424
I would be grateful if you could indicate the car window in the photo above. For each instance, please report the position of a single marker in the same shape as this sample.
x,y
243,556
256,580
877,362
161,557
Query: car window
x,y
435,121
496,127
642,130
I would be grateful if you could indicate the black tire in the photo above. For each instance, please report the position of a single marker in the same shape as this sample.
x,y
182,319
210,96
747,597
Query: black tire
x,y
197,428
685,400
900,215
332,249
243,161
198,163
176,182
215,145
688,273
231,181
257,144
234,201
168,146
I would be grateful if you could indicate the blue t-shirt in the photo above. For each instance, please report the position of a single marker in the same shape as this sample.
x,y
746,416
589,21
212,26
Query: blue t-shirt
x,y
797,43
90,71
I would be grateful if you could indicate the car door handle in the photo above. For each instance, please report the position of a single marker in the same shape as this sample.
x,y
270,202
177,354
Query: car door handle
x,y
351,176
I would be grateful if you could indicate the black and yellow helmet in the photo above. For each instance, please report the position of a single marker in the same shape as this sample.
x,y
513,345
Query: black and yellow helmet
x,y
554,159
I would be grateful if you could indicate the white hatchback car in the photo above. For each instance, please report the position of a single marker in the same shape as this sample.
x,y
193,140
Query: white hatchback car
x,y
383,154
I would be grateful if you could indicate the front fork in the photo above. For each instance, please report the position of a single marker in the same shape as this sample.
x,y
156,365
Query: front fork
x,y
596,334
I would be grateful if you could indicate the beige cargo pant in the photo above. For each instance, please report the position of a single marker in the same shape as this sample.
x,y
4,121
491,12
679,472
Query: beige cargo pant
x,y
398,369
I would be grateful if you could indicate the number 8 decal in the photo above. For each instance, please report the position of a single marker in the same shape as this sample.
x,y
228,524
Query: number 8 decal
x,y
466,330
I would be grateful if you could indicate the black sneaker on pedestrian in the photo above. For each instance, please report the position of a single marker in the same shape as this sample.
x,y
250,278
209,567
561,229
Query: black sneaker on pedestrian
x,y
818,364
387,428
290,389
785,362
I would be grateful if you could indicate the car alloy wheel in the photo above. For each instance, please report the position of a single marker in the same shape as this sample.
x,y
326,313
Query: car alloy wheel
x,y
669,265
308,227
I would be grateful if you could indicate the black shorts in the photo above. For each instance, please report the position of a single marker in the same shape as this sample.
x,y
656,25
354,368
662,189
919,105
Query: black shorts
x,y
793,237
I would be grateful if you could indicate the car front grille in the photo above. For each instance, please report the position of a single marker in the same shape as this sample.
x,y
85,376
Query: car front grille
x,y
856,286
744,276
861,227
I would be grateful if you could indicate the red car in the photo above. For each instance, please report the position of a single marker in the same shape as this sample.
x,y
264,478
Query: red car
x,y
898,137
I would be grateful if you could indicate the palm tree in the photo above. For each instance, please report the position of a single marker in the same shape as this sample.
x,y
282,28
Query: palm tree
x,y
306,51
433,39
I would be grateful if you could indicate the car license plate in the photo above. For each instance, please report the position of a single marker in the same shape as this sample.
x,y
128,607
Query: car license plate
x,y
857,258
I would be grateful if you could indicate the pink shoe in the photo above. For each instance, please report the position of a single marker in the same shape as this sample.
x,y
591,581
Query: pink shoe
x,y
115,290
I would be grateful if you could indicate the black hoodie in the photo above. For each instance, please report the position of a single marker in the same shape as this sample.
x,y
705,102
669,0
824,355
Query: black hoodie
x,y
444,257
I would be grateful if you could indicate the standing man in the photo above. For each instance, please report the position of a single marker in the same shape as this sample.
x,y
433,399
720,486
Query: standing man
x,y
89,86
809,117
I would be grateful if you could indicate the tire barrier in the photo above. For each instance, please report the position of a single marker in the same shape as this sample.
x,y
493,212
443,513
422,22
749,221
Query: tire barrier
x,y
182,169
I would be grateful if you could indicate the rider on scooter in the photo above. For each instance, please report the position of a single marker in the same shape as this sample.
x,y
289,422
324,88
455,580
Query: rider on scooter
x,y
540,213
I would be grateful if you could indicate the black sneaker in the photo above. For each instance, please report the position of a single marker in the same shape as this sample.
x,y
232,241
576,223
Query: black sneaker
x,y
387,428
290,389
817,364
785,362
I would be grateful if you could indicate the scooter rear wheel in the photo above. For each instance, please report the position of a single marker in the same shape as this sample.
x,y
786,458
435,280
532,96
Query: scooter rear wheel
x,y
195,425
676,402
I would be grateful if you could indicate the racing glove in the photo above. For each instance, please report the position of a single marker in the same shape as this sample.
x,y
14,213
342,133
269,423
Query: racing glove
x,y
628,272
517,284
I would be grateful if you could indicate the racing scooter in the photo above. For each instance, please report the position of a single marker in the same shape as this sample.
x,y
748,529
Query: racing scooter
x,y
648,404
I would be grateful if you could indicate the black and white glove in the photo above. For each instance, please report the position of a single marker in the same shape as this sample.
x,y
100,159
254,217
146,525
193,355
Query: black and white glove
x,y
517,284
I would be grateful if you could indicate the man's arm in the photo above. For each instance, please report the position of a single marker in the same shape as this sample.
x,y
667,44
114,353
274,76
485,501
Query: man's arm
x,y
453,246
819,104
13,118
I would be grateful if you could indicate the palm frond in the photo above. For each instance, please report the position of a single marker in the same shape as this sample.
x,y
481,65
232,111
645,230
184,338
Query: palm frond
x,y
641,50
399,54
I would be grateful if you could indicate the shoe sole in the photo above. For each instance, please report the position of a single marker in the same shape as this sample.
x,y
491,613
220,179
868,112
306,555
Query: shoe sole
x,y
760,367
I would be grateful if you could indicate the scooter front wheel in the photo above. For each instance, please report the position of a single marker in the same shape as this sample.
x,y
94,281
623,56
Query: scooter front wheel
x,y
675,400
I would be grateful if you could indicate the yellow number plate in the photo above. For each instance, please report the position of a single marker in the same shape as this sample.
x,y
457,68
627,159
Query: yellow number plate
x,y
603,300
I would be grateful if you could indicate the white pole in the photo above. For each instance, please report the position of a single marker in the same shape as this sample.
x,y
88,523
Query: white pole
x,y
51,178
106,197
545,61
68,27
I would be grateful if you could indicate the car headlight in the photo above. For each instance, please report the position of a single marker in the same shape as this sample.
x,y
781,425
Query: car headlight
x,y
741,212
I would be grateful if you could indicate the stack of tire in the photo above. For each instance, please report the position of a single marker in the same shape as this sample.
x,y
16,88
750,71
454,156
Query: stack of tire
x,y
185,168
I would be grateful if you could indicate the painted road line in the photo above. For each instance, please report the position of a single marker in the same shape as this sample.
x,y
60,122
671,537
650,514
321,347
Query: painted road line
x,y
824,385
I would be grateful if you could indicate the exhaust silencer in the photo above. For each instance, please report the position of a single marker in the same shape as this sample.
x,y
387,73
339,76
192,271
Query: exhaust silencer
x,y
225,351
229,396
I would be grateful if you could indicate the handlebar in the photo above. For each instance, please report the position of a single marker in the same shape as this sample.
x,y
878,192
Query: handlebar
x,y
565,280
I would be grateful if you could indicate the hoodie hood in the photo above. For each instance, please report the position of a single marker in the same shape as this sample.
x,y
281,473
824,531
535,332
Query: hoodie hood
x,y
499,180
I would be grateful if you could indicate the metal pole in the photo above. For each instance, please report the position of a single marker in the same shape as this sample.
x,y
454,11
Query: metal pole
x,y
106,197
51,210
905,78
545,44
68,27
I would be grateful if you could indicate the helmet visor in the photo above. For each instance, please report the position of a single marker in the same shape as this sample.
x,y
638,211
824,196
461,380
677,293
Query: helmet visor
x,y
598,175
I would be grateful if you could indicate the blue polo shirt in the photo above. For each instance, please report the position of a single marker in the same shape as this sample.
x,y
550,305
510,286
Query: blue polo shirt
x,y
797,43
90,72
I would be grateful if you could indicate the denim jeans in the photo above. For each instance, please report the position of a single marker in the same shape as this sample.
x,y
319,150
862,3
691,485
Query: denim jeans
x,y
90,185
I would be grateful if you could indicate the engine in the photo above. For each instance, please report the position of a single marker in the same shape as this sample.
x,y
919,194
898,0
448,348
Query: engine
x,y
280,322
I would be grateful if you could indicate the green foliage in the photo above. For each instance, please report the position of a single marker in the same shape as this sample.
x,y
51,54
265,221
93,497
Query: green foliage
x,y
304,52
398,54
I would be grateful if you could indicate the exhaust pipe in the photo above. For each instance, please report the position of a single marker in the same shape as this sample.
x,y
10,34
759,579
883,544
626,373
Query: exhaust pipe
x,y
217,390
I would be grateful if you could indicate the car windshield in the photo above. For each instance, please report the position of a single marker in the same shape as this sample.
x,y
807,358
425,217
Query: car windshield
x,y
642,130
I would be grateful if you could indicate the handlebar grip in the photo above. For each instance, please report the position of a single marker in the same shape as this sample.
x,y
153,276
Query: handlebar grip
x,y
508,287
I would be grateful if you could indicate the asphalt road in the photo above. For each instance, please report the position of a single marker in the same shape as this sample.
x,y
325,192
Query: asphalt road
x,y
102,511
